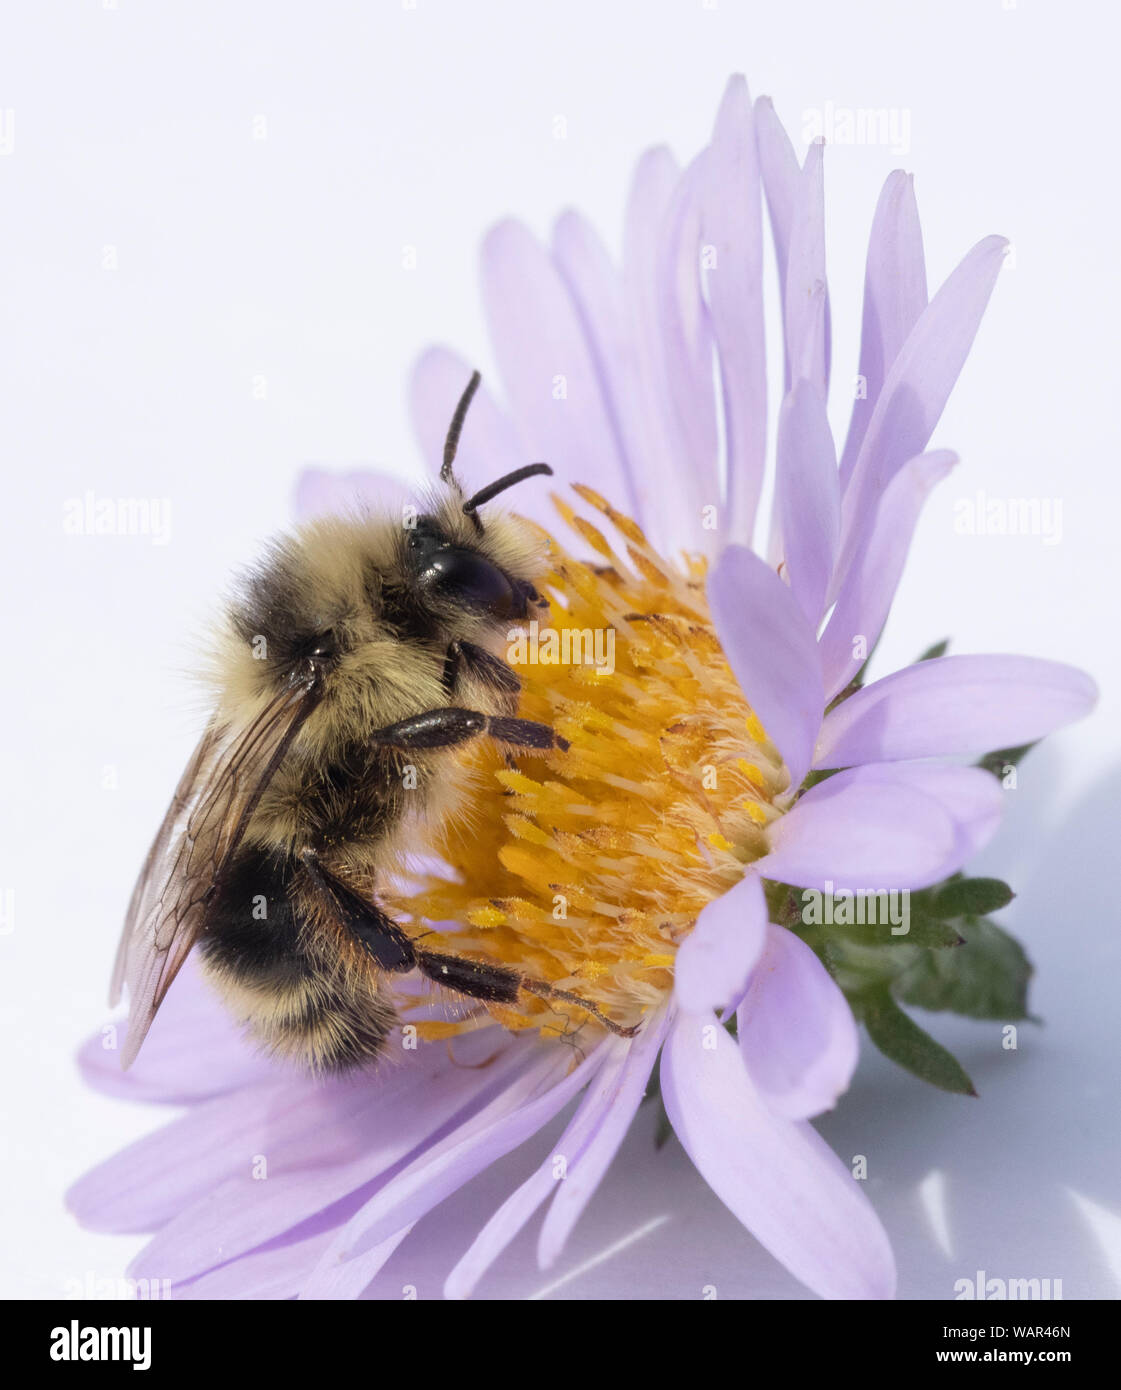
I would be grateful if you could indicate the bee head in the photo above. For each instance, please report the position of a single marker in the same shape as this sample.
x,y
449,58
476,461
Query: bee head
x,y
488,573
329,602
454,560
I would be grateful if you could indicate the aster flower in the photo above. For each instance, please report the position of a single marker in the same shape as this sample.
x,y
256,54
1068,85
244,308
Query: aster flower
x,y
730,760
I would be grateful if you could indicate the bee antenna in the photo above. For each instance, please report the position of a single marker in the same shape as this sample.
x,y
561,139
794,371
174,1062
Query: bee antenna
x,y
519,475
455,429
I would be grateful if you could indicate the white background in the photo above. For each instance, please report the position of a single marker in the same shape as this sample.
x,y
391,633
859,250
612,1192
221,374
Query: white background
x,y
281,258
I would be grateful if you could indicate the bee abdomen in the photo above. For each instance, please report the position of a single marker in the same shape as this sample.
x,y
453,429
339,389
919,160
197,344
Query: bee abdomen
x,y
254,936
327,1031
278,972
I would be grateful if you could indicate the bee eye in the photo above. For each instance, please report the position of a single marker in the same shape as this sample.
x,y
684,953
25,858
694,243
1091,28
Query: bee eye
x,y
470,579
325,647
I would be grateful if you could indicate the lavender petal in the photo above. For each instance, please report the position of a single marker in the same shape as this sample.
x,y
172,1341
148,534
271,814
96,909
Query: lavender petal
x,y
716,958
796,1031
865,600
776,1176
772,650
915,391
954,704
731,205
894,297
808,501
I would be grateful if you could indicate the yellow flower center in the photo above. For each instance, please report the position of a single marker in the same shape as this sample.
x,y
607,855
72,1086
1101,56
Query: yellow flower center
x,y
587,868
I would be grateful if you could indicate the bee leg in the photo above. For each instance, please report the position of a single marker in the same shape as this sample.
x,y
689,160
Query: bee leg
x,y
390,948
465,658
476,979
445,728
495,984
396,953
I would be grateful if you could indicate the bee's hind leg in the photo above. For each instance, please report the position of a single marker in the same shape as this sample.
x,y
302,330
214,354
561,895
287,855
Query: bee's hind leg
x,y
394,951
496,984
374,929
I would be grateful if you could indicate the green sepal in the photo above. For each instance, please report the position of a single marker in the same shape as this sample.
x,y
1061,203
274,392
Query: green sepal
x,y
1005,757
970,897
985,978
663,1130
928,932
902,1041
819,775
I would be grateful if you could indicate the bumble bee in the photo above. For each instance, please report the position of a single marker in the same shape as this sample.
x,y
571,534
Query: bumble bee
x,y
353,661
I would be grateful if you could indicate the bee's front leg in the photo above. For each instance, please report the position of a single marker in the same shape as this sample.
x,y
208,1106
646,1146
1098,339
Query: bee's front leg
x,y
465,659
445,728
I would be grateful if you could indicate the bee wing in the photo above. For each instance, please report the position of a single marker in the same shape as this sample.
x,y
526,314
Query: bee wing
x,y
203,827
187,794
